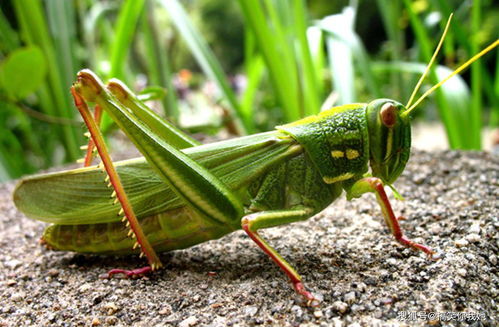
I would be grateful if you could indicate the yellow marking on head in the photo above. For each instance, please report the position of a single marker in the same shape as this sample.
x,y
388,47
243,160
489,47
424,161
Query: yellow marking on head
x,y
337,154
331,180
352,154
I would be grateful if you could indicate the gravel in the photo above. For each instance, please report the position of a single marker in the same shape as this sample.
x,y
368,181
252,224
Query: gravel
x,y
345,255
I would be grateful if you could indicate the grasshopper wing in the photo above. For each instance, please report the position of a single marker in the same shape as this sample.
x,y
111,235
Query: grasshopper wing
x,y
81,196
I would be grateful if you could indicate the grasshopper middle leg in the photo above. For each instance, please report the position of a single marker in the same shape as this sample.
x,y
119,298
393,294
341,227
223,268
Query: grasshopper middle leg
x,y
265,219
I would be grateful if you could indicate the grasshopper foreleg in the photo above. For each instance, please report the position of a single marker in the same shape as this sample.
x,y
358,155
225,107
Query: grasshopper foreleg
x,y
265,219
373,184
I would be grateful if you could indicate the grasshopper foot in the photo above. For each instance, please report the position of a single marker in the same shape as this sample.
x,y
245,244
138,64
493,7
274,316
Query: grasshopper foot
x,y
416,246
130,273
310,298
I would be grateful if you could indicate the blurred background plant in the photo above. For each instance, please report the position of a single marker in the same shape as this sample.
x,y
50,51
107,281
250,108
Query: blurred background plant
x,y
237,66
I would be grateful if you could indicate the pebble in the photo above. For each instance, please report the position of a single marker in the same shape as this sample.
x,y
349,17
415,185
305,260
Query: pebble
x,y
462,272
356,308
473,238
337,322
53,272
112,320
475,228
386,300
250,311
96,322
391,261
111,308
11,282
361,287
350,297
13,264
493,259
191,321
165,311
318,314
436,230
340,306
17,297
297,310
462,242
85,287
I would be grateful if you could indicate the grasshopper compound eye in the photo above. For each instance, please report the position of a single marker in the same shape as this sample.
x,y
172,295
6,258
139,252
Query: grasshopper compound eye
x,y
388,114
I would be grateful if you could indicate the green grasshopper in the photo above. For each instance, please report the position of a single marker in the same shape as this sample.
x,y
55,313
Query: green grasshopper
x,y
182,193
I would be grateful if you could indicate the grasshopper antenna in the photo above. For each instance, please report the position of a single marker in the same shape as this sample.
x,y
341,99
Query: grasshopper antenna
x,y
457,71
427,70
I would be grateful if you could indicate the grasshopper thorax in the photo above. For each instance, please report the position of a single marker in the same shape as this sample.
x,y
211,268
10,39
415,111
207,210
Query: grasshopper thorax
x,y
389,139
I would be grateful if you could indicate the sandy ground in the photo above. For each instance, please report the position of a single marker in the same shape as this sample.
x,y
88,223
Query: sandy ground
x,y
345,255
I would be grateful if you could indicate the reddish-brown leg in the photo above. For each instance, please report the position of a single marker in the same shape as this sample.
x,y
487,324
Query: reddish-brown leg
x,y
265,219
373,184
91,145
130,273
119,193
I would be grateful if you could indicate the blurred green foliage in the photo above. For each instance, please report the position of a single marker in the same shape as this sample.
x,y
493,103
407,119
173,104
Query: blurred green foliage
x,y
243,65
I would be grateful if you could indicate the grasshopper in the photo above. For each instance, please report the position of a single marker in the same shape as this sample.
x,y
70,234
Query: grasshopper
x,y
182,193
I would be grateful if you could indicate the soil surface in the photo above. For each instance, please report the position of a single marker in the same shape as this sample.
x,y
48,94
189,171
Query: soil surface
x,y
345,254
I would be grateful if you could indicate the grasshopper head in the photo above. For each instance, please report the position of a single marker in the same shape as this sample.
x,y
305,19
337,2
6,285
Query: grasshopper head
x,y
389,139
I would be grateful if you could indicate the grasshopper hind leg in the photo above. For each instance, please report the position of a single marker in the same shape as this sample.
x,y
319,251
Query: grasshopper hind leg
x,y
119,195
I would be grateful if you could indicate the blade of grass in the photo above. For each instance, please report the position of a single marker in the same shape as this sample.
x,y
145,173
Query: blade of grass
x,y
9,39
390,14
207,60
309,80
278,18
126,24
157,58
344,46
494,114
90,17
124,31
276,53
315,39
55,100
61,17
476,79
463,39
254,69
340,64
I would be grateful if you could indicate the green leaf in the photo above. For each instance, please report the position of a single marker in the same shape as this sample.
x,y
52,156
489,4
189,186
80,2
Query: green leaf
x,y
23,72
